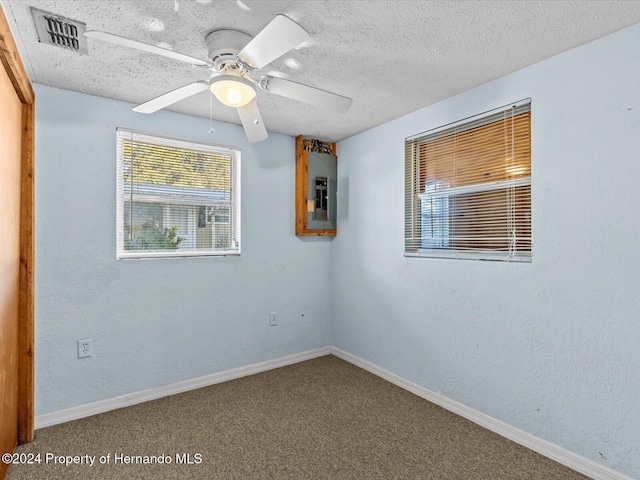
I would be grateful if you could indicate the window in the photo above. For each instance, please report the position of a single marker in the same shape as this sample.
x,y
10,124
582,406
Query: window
x,y
176,198
468,188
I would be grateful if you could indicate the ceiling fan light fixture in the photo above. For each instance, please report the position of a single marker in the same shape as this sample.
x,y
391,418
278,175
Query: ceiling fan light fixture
x,y
232,91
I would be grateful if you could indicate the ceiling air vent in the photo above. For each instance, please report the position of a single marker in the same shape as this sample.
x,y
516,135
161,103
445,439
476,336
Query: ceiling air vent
x,y
60,31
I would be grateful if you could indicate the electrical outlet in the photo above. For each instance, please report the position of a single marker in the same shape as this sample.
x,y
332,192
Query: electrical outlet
x,y
273,319
84,348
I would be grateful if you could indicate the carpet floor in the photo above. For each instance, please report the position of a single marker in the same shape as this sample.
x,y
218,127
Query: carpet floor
x,y
320,419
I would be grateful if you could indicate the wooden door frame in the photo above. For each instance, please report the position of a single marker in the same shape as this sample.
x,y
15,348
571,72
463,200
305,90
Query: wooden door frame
x,y
10,59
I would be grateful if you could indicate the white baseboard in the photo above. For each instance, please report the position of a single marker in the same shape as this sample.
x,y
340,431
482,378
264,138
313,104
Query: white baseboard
x,y
561,455
101,406
551,450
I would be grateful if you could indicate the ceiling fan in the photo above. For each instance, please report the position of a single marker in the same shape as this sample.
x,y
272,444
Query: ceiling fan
x,y
234,59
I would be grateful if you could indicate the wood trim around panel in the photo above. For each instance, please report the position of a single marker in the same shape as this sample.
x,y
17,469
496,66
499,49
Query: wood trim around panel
x,y
302,185
10,59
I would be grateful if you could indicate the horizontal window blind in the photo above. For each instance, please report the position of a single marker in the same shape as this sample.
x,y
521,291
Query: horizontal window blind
x,y
468,188
176,198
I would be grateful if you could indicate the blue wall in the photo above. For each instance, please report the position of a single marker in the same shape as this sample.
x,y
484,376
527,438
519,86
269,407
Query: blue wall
x,y
551,347
158,321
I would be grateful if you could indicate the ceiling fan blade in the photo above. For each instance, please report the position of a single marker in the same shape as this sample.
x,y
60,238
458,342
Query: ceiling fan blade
x,y
307,94
171,97
279,36
252,122
127,42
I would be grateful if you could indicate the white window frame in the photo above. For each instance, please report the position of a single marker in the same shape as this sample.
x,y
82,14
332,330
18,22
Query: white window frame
x,y
233,204
439,194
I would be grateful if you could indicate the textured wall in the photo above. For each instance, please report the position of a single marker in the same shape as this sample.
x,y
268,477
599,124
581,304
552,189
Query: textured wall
x,y
159,321
551,347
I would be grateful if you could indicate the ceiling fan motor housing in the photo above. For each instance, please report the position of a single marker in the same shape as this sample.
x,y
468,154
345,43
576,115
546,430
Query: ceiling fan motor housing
x,y
224,45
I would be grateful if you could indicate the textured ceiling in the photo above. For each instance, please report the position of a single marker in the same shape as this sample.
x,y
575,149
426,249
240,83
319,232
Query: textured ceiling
x,y
390,57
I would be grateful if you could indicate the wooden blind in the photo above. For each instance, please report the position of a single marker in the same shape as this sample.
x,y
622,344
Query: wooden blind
x,y
468,188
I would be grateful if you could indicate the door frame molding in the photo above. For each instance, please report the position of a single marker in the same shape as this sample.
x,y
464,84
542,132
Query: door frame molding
x,y
10,59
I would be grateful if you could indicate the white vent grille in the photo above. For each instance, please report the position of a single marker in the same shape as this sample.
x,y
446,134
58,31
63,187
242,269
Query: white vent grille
x,y
60,31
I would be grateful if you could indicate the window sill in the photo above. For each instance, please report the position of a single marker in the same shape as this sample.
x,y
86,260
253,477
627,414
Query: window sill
x,y
151,255
483,256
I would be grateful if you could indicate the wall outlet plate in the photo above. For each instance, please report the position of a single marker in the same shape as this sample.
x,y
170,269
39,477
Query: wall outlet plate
x,y
84,348
273,319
